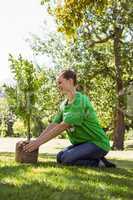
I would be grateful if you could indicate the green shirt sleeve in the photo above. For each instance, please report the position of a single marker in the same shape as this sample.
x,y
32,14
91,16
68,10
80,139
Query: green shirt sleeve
x,y
57,118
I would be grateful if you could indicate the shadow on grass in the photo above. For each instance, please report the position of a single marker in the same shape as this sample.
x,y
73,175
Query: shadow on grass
x,y
68,183
57,182
46,159
38,191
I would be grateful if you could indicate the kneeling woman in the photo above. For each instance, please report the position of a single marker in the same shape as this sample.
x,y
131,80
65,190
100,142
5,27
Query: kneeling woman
x,y
76,115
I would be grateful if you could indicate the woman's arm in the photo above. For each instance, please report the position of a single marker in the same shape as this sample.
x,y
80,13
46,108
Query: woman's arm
x,y
49,127
48,134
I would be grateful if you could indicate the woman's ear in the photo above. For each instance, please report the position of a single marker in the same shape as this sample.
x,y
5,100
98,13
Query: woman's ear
x,y
72,83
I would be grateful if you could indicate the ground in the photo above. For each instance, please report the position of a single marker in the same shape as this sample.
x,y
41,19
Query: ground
x,y
47,180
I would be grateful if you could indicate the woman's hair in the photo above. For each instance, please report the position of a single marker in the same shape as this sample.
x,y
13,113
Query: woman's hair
x,y
69,74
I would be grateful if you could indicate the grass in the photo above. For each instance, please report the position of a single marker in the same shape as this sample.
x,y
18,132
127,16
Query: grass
x,y
49,181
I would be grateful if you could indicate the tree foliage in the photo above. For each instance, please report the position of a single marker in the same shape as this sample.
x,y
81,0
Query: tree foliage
x,y
25,93
101,54
70,13
112,27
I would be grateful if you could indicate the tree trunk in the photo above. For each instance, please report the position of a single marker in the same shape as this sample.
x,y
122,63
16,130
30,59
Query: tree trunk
x,y
119,126
28,128
10,128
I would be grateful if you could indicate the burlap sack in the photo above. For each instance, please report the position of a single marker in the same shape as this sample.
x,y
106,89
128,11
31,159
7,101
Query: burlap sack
x,y
25,157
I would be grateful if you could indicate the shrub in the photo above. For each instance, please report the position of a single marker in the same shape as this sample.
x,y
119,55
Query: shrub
x,y
19,128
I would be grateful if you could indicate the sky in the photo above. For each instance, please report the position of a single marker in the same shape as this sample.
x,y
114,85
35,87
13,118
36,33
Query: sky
x,y
18,18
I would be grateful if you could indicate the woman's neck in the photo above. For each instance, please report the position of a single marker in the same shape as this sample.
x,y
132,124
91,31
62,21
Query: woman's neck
x,y
71,95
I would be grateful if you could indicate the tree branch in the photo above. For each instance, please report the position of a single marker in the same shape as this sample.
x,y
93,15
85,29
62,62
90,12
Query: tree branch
x,y
91,43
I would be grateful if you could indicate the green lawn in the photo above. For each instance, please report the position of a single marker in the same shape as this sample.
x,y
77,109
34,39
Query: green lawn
x,y
49,181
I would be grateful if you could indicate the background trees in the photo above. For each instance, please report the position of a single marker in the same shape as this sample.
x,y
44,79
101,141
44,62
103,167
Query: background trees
x,y
99,48
111,26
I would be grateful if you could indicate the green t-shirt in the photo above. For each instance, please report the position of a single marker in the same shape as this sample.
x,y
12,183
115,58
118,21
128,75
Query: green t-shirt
x,y
83,120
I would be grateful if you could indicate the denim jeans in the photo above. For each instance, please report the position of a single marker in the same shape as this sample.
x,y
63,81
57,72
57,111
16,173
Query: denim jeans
x,y
85,154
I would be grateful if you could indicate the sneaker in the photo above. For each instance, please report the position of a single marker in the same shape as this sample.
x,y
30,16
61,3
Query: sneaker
x,y
108,163
101,164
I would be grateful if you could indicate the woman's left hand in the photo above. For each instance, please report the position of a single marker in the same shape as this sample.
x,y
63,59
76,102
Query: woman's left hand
x,y
31,146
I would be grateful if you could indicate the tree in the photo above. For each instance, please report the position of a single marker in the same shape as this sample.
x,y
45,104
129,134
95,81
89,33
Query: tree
x,y
70,13
27,85
7,118
112,25
76,56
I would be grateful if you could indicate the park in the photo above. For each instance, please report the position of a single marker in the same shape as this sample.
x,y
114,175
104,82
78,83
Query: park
x,y
76,89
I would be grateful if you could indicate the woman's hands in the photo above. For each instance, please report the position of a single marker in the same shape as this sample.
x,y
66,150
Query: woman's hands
x,y
46,135
32,146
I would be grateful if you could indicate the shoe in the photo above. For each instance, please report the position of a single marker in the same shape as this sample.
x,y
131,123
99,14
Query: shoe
x,y
101,164
107,163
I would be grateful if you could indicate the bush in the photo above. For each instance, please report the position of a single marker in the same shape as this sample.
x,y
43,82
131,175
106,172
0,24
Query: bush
x,y
3,129
129,134
19,129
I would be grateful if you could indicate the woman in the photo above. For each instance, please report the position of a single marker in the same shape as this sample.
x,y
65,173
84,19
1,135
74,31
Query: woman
x,y
77,116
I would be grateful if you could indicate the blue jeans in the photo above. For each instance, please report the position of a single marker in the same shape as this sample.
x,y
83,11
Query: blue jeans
x,y
85,154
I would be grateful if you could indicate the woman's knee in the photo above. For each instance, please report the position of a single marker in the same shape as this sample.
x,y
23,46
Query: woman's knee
x,y
67,159
59,157
63,158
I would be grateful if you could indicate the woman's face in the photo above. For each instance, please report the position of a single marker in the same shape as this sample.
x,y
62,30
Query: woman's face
x,y
64,85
